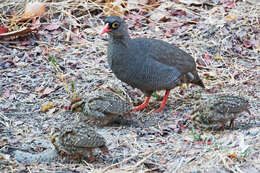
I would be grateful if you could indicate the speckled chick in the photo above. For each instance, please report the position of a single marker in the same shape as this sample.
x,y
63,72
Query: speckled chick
x,y
219,109
77,141
103,106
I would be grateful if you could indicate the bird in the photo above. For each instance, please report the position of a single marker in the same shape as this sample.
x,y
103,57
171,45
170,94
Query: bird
x,y
103,106
146,63
218,109
78,140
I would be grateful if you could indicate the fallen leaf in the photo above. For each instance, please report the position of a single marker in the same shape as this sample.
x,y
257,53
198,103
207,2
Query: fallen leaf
x,y
207,57
200,61
231,17
236,74
47,106
47,91
32,10
75,31
233,156
39,89
3,29
160,16
52,26
52,111
114,8
218,57
20,32
149,5
178,13
7,93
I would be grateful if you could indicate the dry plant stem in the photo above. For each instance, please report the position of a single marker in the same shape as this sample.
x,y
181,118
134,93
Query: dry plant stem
x,y
149,153
6,120
62,80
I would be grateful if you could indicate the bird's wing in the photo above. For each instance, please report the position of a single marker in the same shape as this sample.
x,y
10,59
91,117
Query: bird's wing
x,y
86,140
168,54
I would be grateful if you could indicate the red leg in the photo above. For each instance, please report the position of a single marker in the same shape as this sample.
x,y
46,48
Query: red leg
x,y
91,157
223,125
232,123
143,105
163,102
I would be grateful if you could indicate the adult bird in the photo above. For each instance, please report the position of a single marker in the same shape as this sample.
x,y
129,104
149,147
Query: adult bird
x,y
146,63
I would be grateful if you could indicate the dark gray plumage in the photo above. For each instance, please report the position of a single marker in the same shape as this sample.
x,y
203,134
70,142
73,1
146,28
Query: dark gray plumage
x,y
146,63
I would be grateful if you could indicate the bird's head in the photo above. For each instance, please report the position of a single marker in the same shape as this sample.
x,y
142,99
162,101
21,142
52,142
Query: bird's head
x,y
115,27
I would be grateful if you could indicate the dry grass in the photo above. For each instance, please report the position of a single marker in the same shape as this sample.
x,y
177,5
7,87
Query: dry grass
x,y
81,57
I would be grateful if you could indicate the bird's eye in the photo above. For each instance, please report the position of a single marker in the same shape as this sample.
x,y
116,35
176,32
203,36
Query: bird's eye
x,y
115,25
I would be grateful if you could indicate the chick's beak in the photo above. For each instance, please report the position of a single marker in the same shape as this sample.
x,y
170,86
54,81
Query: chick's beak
x,y
106,29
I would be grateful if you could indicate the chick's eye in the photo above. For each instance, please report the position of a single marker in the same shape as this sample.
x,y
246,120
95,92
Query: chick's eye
x,y
115,25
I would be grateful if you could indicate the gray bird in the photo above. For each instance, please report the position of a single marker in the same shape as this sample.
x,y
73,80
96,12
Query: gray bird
x,y
77,141
146,63
218,109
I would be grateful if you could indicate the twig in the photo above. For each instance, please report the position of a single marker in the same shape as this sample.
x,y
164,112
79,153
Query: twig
x,y
146,155
60,76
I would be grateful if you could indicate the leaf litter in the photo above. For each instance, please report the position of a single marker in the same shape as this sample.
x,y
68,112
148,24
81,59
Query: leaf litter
x,y
223,37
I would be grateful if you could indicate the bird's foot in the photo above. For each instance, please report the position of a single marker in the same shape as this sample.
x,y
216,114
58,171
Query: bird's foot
x,y
138,108
163,102
76,105
91,157
142,106
158,110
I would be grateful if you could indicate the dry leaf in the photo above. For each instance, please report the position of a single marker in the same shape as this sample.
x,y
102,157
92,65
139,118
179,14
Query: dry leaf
x,y
233,156
218,57
20,32
207,57
32,10
3,29
47,91
52,26
114,8
7,93
47,106
231,17
149,5
159,16
39,89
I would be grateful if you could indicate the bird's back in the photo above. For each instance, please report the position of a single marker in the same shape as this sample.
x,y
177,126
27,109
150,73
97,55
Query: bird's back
x,y
151,64
226,103
108,103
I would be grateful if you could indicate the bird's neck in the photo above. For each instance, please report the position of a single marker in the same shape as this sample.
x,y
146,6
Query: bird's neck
x,y
119,40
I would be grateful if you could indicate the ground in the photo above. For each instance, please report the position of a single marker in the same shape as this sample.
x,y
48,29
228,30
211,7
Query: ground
x,y
223,37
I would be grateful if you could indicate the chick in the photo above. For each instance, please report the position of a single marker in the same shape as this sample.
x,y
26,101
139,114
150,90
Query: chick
x,y
219,109
104,106
77,141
